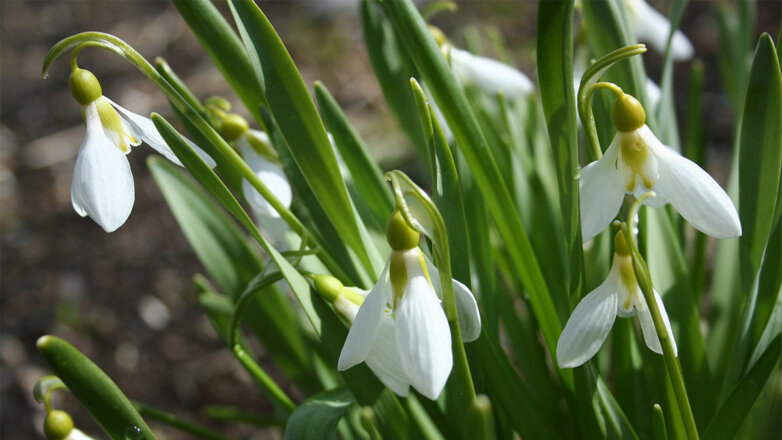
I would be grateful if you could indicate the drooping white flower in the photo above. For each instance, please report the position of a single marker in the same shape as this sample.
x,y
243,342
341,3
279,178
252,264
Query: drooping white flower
x,y
407,296
489,75
102,185
637,162
256,150
653,27
270,174
593,317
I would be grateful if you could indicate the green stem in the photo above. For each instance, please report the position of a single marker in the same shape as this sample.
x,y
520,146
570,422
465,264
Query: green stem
x,y
672,364
245,358
177,422
111,43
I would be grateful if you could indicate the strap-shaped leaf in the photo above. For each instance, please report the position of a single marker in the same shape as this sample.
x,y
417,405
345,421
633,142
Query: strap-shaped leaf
x,y
366,175
393,69
226,50
555,73
736,407
94,389
316,419
299,122
760,157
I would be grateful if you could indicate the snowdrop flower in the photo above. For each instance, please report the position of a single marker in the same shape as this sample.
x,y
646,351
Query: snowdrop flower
x,y
619,295
102,185
406,302
637,162
489,75
653,27
255,148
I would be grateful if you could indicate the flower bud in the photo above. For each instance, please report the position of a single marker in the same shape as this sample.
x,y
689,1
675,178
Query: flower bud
x,y
232,126
628,114
328,286
400,236
57,425
85,88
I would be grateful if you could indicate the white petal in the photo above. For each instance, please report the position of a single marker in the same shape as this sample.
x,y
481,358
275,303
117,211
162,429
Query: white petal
x,y
77,434
144,128
102,185
692,191
271,176
424,338
653,27
384,358
466,306
364,329
491,76
647,327
588,325
601,192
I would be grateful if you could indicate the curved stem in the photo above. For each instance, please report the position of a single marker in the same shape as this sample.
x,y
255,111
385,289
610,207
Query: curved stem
x,y
245,358
587,87
671,363
116,45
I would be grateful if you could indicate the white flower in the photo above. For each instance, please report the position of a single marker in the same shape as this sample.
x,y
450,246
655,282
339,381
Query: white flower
x,y
102,185
653,27
491,76
405,303
619,295
637,162
255,148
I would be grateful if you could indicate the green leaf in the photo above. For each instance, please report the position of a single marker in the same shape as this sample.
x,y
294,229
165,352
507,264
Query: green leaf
x,y
760,157
449,95
555,73
226,50
316,419
224,252
510,394
94,389
736,407
367,176
393,70
666,110
299,122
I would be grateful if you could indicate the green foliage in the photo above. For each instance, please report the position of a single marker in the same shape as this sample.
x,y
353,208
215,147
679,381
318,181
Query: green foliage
x,y
498,204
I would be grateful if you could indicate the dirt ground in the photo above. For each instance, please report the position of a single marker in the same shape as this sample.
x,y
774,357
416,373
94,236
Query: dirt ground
x,y
125,299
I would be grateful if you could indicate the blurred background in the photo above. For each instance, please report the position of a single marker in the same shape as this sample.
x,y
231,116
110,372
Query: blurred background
x,y
126,299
